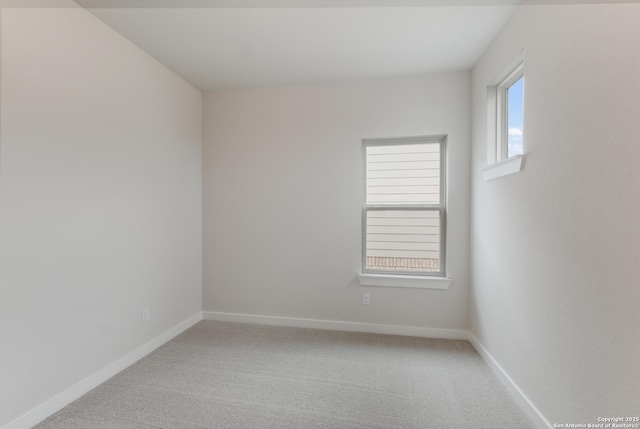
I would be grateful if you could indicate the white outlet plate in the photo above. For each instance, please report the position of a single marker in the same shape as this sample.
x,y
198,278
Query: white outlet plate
x,y
366,298
144,315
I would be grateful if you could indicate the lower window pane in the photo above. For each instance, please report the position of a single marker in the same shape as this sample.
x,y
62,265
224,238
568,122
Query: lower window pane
x,y
403,241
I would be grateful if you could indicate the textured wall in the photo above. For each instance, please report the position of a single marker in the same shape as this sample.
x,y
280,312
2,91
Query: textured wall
x,y
283,197
100,202
555,248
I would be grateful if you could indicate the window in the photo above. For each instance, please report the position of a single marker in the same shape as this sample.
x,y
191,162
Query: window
x,y
514,112
404,206
505,120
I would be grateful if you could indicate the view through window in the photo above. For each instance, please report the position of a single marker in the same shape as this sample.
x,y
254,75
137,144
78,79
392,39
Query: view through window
x,y
515,118
404,207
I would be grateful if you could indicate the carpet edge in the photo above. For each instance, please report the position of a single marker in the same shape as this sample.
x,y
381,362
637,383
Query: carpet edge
x,y
64,398
538,419
335,325
519,396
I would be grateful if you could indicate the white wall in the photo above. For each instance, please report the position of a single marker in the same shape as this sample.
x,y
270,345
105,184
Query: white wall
x,y
100,202
283,194
555,248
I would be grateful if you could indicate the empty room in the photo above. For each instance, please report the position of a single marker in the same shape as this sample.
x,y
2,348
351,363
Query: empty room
x,y
381,214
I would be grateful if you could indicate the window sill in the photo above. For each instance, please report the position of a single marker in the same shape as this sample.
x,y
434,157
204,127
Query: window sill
x,y
503,168
407,281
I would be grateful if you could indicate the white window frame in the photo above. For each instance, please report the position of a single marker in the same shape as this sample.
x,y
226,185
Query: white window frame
x,y
435,280
498,164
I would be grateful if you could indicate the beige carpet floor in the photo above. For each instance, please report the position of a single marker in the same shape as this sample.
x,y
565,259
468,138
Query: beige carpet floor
x,y
232,376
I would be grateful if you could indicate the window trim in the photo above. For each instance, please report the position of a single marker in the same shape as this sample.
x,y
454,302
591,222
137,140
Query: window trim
x,y
404,281
497,119
380,277
503,168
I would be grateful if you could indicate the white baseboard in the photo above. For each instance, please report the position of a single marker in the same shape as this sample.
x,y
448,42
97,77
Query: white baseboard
x,y
413,331
63,399
452,334
523,401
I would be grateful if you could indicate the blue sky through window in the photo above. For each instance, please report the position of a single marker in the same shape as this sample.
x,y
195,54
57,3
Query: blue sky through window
x,y
515,118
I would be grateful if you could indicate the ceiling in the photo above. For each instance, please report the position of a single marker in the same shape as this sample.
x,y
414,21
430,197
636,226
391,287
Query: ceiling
x,y
225,44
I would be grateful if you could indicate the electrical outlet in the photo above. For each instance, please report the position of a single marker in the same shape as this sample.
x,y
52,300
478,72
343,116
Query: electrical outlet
x,y
366,298
144,315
